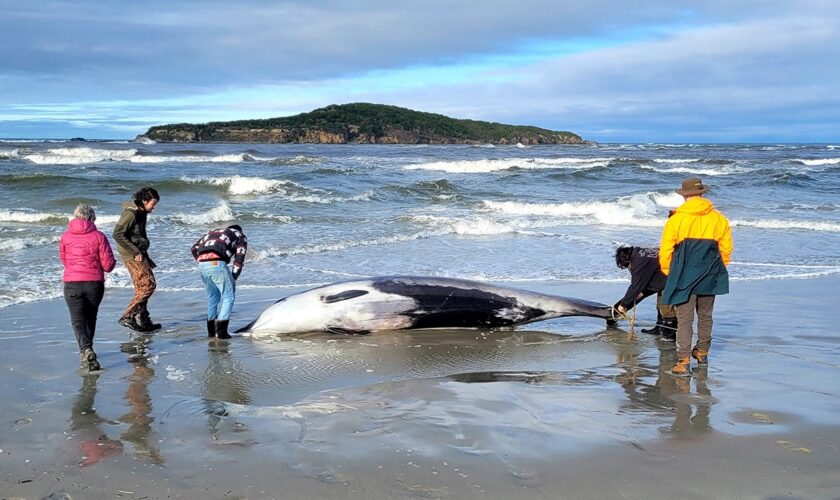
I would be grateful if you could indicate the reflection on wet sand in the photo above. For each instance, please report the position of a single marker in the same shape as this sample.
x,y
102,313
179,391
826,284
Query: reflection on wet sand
x,y
667,394
87,425
139,417
223,382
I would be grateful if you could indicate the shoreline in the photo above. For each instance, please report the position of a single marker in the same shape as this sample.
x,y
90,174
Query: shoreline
x,y
560,408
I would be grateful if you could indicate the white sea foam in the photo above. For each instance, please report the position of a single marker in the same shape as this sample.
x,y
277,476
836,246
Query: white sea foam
x,y
788,224
667,200
238,185
279,218
473,226
220,213
83,155
676,160
791,275
636,210
709,171
486,166
818,162
342,245
75,156
16,244
10,216
366,196
44,217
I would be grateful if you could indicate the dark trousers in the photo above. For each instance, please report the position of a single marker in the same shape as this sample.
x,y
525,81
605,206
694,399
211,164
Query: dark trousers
x,y
83,299
703,304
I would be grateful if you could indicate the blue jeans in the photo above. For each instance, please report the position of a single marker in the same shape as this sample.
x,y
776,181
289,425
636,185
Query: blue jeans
x,y
221,288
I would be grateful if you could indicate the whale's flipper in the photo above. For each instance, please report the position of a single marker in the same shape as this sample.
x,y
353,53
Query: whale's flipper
x,y
247,327
346,331
345,295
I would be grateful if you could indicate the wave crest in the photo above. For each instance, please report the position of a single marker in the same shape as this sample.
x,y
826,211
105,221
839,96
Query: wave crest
x,y
486,166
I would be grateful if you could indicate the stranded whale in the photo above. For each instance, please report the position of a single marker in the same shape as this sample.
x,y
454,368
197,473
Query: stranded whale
x,y
406,302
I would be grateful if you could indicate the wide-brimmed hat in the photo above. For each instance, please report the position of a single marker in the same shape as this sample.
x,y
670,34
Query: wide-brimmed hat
x,y
692,186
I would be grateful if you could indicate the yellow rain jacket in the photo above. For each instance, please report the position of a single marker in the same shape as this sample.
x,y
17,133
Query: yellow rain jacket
x,y
695,249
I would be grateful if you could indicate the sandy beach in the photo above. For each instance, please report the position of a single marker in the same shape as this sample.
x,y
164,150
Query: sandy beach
x,y
562,409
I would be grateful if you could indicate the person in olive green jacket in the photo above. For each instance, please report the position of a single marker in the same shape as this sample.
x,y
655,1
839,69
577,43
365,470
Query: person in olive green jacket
x,y
695,249
133,247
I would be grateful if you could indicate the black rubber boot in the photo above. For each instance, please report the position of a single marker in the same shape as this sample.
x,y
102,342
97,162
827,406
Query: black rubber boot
x,y
130,323
144,319
657,328
222,329
211,328
669,328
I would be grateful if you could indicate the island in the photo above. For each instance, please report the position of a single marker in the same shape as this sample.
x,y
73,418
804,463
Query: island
x,y
360,123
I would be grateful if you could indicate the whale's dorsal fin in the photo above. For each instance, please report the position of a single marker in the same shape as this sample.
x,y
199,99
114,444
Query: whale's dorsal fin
x,y
345,295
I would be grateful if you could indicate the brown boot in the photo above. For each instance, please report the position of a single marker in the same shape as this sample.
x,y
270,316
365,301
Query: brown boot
x,y
682,368
702,357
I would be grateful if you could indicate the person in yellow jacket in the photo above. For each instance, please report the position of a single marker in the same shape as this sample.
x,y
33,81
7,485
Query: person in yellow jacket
x,y
695,249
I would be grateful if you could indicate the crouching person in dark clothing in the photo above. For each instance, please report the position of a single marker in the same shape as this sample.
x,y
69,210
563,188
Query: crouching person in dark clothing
x,y
213,252
86,256
646,278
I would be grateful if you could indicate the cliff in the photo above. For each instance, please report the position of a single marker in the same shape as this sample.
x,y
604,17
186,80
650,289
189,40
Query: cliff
x,y
361,123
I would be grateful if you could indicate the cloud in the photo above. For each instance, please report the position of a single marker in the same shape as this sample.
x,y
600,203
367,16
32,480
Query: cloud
x,y
610,70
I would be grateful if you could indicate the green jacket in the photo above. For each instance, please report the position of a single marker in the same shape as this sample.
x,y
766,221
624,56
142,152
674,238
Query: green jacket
x,y
130,232
697,268
696,246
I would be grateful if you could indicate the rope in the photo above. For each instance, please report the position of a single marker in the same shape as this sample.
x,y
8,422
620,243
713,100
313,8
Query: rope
x,y
625,315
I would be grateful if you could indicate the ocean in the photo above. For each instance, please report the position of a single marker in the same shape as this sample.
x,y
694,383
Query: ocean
x,y
564,407
315,214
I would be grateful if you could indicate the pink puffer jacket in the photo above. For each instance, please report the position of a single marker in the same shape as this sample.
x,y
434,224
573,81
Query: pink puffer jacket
x,y
85,252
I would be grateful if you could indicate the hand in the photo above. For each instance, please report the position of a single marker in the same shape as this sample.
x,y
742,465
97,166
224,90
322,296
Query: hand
x,y
139,257
621,309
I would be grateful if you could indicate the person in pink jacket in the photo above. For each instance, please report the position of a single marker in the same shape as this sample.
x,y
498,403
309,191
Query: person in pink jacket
x,y
86,256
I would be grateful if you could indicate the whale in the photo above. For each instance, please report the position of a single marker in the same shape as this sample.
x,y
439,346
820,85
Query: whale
x,y
388,303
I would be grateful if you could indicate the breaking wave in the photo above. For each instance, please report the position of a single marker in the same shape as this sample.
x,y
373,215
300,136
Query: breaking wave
x,y
220,213
50,218
84,155
817,162
485,166
636,210
788,224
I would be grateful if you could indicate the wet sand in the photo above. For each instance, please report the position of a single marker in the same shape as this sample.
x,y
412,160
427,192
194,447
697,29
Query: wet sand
x,y
561,409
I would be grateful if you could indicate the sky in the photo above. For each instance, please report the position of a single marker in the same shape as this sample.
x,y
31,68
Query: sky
x,y
666,71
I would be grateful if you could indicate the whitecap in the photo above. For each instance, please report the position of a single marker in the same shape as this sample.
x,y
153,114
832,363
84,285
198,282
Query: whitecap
x,y
239,185
75,156
220,213
10,216
486,166
636,210
16,244
676,160
788,224
711,172
817,162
